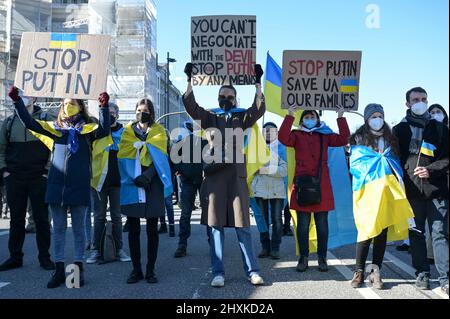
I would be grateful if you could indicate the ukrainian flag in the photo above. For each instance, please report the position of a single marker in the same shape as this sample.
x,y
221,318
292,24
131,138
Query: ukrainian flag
x,y
427,149
379,199
349,86
272,89
63,40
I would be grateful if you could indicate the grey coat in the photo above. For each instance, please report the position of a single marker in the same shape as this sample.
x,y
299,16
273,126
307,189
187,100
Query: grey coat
x,y
224,193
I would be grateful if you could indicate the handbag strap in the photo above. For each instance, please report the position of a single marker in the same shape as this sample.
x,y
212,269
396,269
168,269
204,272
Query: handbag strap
x,y
320,157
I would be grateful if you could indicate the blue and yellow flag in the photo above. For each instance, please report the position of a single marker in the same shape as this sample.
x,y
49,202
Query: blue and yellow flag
x,y
63,40
272,89
349,85
427,149
379,198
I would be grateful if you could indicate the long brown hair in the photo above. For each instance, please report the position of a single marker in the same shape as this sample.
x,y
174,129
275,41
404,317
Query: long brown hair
x,y
83,111
369,139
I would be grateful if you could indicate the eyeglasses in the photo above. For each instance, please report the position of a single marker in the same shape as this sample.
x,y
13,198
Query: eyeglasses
x,y
229,97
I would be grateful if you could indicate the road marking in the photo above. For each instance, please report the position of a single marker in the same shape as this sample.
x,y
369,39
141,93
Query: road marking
x,y
3,233
332,260
3,284
340,266
412,272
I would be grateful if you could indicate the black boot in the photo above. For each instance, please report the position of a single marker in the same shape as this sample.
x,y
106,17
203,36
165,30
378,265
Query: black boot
x,y
11,263
80,266
150,276
135,276
171,230
162,229
47,263
58,277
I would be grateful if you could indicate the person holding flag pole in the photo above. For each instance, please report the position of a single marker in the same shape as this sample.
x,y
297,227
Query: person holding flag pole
x,y
424,156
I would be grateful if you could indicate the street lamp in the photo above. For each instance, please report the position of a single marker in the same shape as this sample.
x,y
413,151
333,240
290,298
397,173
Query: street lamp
x,y
169,60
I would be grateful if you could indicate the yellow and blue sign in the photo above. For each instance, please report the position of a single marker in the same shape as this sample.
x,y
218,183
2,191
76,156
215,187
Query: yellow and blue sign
x,y
63,40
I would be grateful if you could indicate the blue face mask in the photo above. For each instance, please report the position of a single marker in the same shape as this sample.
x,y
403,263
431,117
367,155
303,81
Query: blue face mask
x,y
309,123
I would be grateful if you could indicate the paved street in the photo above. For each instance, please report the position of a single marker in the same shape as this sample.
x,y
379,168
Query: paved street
x,y
189,277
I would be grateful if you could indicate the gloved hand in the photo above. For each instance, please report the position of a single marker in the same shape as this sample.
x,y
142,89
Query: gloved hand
x,y
103,99
14,93
188,71
259,73
142,181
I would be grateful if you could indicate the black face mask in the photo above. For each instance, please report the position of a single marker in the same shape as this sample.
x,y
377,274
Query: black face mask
x,y
112,119
226,104
143,117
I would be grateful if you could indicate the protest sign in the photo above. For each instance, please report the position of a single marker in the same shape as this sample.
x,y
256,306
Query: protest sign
x,y
223,50
321,80
63,65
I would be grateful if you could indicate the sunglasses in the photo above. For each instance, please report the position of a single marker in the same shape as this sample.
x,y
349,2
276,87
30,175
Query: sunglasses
x,y
229,97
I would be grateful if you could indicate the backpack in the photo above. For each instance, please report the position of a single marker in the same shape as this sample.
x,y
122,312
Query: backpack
x,y
107,244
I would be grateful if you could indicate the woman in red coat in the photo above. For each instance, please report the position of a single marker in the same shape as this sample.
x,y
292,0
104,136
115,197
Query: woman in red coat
x,y
306,142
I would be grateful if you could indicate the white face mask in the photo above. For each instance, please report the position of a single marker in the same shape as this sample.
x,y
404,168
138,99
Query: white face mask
x,y
376,123
419,108
438,117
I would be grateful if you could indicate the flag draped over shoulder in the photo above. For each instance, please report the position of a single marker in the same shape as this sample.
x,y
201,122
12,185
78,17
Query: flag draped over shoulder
x,y
132,155
378,194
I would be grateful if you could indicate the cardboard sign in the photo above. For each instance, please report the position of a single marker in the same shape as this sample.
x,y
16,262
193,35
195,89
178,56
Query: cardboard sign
x,y
321,80
223,50
63,65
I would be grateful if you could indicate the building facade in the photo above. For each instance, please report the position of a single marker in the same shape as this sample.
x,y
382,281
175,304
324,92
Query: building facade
x,y
133,71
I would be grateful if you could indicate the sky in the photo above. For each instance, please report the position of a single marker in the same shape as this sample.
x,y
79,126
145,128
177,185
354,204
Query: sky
x,y
409,48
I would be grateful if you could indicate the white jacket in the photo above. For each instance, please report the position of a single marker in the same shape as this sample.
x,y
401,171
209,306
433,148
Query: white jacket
x,y
271,185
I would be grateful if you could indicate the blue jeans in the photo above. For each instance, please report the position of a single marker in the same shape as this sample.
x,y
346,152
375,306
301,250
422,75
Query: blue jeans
x,y
436,212
245,244
276,208
59,215
187,199
303,222
169,210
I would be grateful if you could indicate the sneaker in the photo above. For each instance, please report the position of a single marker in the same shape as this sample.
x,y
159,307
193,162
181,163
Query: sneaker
x,y
135,276
288,232
162,229
256,280
358,279
47,264
93,257
11,264
444,289
423,281
323,266
123,256
302,264
218,281
180,252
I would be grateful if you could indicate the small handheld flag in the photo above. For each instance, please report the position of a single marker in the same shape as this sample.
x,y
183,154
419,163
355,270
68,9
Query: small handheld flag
x,y
427,149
